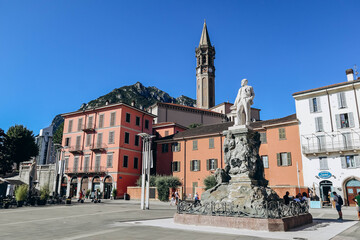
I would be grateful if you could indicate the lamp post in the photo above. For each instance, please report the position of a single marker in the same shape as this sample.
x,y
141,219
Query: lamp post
x,y
58,166
146,165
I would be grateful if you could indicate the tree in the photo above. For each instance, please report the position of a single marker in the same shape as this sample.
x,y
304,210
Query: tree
x,y
5,163
194,125
21,144
210,182
58,134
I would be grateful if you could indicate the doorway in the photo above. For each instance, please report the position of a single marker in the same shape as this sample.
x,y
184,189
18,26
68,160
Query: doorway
x,y
96,184
84,184
73,187
325,191
107,187
63,186
352,189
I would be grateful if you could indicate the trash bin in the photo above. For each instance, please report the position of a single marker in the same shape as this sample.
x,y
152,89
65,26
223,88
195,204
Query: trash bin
x,y
126,196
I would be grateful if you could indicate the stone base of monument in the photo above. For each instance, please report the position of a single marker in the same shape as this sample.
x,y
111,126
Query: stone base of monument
x,y
259,224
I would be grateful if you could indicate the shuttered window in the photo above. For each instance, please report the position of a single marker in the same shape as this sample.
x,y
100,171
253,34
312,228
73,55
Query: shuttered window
x,y
211,143
263,138
111,137
67,163
101,121
76,164
284,159
78,142
282,134
109,160
80,124
345,120
319,124
127,138
70,126
88,140
90,122
86,163
341,100
211,164
265,161
176,166
99,140
67,142
314,104
112,119
323,163
97,162
176,147
195,145
195,165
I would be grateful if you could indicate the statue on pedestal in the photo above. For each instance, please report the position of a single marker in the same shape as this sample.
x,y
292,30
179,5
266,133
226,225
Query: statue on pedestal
x,y
243,102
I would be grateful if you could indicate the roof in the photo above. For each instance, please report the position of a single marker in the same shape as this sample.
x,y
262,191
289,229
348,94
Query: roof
x,y
13,180
166,124
220,127
327,87
189,108
205,39
107,106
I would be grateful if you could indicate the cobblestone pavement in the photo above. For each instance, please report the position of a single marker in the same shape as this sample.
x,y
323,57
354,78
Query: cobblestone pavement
x,y
118,219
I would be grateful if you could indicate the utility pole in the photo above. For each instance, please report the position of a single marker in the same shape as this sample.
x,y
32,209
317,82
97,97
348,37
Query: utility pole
x,y
146,165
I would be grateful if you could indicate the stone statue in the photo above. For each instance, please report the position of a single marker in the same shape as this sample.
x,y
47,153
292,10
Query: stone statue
x,y
243,102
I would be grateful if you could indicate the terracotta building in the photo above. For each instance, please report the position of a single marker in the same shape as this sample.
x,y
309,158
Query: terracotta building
x,y
102,150
194,154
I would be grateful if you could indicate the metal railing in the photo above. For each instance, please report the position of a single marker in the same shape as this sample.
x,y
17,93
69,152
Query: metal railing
x,y
76,148
98,146
88,127
96,169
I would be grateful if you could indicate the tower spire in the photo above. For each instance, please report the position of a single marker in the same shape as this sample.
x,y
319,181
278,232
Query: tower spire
x,y
205,39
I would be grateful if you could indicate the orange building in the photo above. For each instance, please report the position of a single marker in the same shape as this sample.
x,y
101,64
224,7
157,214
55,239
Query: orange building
x,y
194,154
102,150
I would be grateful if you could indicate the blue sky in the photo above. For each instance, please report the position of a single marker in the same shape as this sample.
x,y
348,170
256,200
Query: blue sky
x,y
56,55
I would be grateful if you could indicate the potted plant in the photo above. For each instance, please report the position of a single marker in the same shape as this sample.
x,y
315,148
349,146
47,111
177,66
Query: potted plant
x,y
87,194
68,200
21,194
114,192
44,195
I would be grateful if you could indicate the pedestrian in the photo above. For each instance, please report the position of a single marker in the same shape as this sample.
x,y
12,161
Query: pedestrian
x,y
173,200
297,198
176,197
304,197
196,198
338,202
357,200
286,198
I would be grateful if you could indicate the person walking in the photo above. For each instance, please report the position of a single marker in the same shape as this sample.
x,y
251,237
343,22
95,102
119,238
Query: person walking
x,y
338,202
176,197
357,200
286,198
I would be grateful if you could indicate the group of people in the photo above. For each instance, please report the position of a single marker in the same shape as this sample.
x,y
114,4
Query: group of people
x,y
174,198
298,198
339,202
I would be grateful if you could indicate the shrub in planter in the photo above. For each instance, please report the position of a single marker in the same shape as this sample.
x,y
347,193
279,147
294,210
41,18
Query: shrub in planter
x,y
114,192
210,182
44,193
163,183
68,200
87,194
21,194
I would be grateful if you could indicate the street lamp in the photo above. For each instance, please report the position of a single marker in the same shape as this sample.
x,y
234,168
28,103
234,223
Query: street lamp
x,y
146,165
58,168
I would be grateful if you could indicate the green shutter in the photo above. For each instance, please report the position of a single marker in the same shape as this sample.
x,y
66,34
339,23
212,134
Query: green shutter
x,y
343,162
172,167
178,166
208,164
289,158
192,165
198,165
278,159
216,165
179,147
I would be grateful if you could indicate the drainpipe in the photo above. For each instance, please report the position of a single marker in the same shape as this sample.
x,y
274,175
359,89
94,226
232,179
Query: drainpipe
x,y
357,105
328,97
184,192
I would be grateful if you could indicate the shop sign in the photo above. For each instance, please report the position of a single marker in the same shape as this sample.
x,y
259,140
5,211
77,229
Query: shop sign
x,y
324,175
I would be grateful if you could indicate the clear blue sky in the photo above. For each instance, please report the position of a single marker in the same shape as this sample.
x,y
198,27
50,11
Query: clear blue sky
x,y
56,55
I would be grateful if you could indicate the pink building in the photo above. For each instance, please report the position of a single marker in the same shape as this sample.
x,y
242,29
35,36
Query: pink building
x,y
102,150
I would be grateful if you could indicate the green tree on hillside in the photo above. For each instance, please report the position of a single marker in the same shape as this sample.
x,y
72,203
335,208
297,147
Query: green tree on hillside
x,y
21,144
5,163
57,138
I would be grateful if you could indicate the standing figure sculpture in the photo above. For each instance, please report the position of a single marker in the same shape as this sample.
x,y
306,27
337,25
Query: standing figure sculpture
x,y
243,102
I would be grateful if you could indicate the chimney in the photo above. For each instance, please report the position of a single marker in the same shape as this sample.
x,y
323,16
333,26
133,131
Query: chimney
x,y
350,74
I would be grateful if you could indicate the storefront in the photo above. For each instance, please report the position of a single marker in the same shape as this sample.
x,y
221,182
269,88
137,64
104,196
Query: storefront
x,y
352,188
73,187
107,187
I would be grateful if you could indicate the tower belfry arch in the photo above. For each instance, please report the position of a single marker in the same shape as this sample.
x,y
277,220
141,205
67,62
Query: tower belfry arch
x,y
205,71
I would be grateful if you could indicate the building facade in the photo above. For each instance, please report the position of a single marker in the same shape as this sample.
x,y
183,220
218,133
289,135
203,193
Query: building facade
x,y
102,149
194,154
46,148
330,138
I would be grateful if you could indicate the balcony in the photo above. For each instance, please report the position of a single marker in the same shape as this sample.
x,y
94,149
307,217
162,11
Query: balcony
x,y
98,147
86,170
75,150
88,128
333,142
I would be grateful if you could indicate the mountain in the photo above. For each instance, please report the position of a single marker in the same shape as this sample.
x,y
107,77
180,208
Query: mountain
x,y
142,96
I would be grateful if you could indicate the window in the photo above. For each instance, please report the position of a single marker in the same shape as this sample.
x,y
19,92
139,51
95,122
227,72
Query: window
x,y
347,140
66,163
97,163
125,162
127,137
282,134
101,121
99,139
350,161
319,124
341,100
79,124
137,121
111,137
86,163
323,163
195,145
263,138
112,119
314,104
88,140
344,120
211,164
137,138
176,147
109,160
128,117
70,126
136,163
147,124
91,122
284,159
164,148
166,133
265,161
76,164
78,142
175,166
195,165
211,143
67,142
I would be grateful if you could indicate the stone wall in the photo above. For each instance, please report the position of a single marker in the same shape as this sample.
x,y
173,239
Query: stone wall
x,y
45,174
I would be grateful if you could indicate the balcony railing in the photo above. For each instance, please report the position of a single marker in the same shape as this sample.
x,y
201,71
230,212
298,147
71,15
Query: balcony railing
x,y
331,142
76,149
98,147
88,128
95,169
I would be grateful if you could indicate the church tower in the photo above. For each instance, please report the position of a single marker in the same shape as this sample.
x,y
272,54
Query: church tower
x,y
205,72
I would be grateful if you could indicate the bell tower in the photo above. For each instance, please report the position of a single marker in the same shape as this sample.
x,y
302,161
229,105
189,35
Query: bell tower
x,y
205,72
